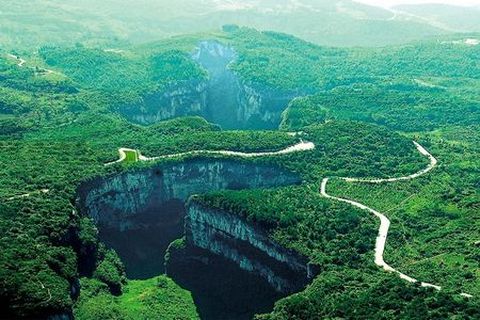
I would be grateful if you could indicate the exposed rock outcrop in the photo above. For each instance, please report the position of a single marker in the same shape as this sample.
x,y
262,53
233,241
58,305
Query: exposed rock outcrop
x,y
178,99
113,201
231,101
246,244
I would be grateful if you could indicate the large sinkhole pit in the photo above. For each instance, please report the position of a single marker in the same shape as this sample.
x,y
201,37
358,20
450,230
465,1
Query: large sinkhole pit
x,y
230,265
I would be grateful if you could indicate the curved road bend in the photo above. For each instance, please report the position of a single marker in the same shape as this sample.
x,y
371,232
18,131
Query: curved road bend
x,y
384,221
301,146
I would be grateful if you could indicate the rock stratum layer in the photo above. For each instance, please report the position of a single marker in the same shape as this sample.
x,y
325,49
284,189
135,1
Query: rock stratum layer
x,y
112,201
178,99
246,244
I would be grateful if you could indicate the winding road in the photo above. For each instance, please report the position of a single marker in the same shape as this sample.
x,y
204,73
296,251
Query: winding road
x,y
21,61
304,146
301,146
26,195
384,221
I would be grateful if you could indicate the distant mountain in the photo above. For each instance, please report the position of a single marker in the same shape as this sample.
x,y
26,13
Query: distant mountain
x,y
452,18
112,22
333,23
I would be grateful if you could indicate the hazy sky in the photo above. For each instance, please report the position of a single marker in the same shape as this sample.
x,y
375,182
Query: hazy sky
x,y
389,3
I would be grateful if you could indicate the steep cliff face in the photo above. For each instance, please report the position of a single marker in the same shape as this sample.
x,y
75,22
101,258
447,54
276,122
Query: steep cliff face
x,y
223,89
247,245
262,107
224,98
179,99
232,102
113,201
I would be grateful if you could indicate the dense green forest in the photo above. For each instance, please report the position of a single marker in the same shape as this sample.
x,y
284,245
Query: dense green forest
x,y
303,66
447,202
402,106
59,125
48,226
434,217
156,298
82,78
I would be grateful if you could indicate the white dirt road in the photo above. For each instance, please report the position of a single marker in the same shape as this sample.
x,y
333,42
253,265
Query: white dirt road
x,y
301,146
384,221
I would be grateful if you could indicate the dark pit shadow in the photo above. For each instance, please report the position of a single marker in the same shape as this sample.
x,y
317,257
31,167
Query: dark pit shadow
x,y
220,289
140,213
142,249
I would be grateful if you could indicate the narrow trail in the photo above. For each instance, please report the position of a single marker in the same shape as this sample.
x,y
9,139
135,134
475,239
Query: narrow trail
x,y
20,61
384,221
26,195
301,146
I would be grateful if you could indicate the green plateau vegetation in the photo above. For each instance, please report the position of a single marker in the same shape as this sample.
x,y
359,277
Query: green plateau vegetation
x,y
156,298
48,221
403,106
59,158
436,216
344,294
48,227
113,72
362,107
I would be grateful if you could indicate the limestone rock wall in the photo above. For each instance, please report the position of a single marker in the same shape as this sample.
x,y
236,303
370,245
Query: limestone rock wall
x,y
114,202
246,244
111,201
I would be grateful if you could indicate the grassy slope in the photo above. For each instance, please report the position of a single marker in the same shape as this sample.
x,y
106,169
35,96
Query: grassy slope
x,y
156,298
131,156
434,218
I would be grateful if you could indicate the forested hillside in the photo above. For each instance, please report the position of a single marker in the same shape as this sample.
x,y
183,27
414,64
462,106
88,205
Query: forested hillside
x,y
132,75
425,108
357,110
